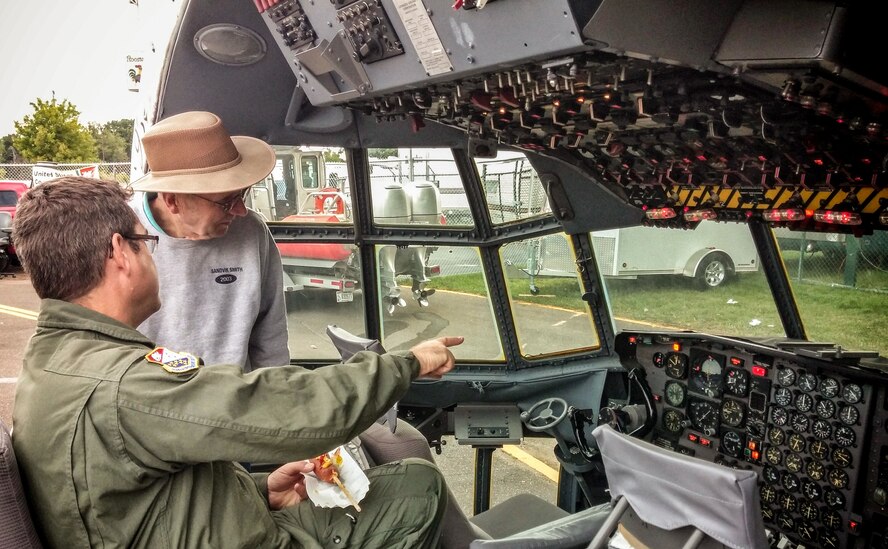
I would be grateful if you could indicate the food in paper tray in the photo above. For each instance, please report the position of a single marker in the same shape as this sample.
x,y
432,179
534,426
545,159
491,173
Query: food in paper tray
x,y
337,481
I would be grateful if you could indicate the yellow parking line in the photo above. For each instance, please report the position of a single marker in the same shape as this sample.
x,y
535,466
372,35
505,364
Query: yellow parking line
x,y
532,462
21,313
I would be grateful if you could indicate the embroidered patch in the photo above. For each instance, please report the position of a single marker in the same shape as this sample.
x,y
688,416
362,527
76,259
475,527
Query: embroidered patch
x,y
173,362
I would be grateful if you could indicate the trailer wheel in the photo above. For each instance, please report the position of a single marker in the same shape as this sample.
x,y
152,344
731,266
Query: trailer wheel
x,y
713,271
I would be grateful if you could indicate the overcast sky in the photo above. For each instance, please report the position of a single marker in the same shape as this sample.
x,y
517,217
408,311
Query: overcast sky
x,y
77,48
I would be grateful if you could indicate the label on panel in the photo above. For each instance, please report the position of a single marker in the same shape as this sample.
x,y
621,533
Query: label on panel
x,y
423,36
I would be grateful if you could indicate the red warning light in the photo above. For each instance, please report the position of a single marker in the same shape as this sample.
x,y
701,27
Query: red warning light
x,y
632,340
736,361
692,437
705,442
759,371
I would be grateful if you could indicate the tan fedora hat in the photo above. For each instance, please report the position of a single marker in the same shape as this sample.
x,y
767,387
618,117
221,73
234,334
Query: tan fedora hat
x,y
192,153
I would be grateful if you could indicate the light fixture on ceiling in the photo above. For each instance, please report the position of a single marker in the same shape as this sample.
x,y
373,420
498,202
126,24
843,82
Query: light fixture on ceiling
x,y
229,44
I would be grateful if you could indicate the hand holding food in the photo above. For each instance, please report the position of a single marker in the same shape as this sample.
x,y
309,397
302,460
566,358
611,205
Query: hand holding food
x,y
326,468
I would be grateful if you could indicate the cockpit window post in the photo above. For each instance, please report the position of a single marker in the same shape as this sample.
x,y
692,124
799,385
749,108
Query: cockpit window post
x,y
772,265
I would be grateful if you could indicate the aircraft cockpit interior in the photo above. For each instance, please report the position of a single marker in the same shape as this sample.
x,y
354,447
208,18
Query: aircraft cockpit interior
x,y
668,217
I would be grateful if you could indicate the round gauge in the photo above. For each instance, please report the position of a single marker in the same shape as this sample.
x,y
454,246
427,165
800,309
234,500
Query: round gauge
x,y
773,455
849,415
829,540
829,387
732,443
787,502
673,421
825,408
831,520
821,429
767,514
837,478
807,382
806,530
779,416
783,396
706,375
791,483
737,382
809,511
768,494
659,360
799,422
811,490
675,393
776,436
834,499
785,377
796,443
804,402
704,416
819,449
677,365
852,393
841,457
771,474
785,522
816,470
845,436
794,463
732,413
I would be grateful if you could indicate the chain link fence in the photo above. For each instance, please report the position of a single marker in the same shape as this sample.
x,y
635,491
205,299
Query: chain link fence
x,y
836,259
112,171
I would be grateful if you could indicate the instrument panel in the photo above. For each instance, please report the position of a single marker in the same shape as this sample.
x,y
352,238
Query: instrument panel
x,y
804,425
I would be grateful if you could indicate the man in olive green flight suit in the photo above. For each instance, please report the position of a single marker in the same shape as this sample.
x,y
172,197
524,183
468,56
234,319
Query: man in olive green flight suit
x,y
122,444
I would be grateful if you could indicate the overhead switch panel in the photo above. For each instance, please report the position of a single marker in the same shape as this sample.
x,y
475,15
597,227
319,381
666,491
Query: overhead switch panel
x,y
369,30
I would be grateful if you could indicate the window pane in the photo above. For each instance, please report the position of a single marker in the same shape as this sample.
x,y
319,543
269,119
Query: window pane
x,y
417,186
321,282
707,279
304,188
428,292
512,187
545,292
841,286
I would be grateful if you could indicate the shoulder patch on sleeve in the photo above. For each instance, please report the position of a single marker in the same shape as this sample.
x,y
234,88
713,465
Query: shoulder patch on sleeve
x,y
173,362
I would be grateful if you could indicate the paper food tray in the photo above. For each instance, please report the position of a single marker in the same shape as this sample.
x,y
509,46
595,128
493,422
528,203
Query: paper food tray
x,y
326,494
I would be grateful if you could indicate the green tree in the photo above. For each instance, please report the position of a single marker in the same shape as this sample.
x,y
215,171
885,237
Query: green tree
x,y
110,144
53,133
333,156
8,154
382,153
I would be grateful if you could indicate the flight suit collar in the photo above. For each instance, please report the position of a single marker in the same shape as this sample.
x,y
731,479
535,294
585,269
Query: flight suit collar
x,y
60,314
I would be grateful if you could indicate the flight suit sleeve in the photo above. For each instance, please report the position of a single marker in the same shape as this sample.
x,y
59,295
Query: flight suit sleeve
x,y
271,415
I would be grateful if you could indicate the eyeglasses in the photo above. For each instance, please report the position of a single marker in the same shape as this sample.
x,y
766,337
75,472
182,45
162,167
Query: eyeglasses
x,y
227,205
150,240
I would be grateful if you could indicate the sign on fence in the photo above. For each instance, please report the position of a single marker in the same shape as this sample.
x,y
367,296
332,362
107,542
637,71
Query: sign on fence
x,y
45,172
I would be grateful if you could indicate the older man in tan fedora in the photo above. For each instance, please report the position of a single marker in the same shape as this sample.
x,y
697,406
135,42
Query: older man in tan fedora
x,y
220,272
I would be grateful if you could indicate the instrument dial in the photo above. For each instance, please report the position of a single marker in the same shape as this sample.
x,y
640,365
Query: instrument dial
x,y
799,422
773,455
768,494
707,374
794,463
816,470
837,478
831,520
804,402
673,421
852,393
825,408
806,530
732,413
829,540
787,502
771,474
845,436
659,360
783,396
732,443
785,377
704,416
849,415
767,514
776,436
834,499
819,449
821,429
811,490
677,365
829,387
675,394
809,511
785,522
842,457
796,443
807,382
779,416
737,382
791,483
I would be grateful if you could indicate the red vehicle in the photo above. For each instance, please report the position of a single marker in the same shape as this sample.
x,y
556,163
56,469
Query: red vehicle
x,y
10,192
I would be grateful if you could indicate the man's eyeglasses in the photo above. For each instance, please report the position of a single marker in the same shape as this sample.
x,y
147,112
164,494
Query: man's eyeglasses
x,y
150,240
227,205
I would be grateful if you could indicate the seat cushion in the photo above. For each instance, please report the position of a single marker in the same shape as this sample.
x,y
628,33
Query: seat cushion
x,y
18,530
568,532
